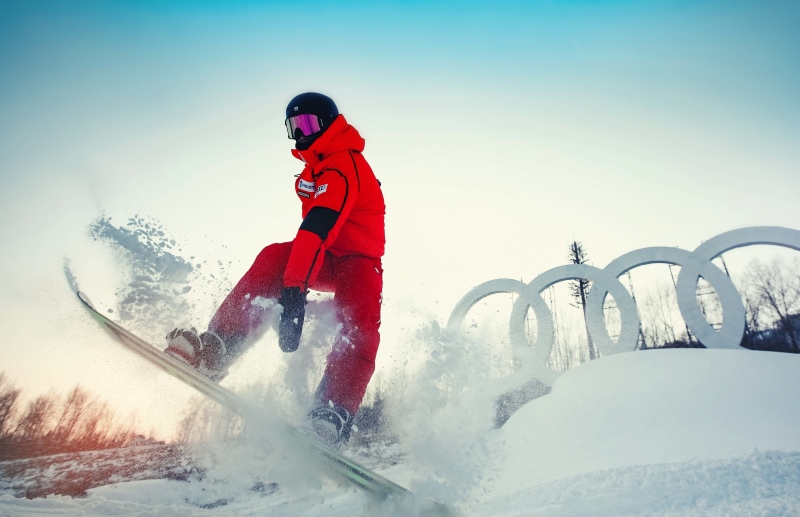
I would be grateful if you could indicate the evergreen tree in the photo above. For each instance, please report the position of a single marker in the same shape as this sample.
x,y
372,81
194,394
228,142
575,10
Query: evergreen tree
x,y
579,289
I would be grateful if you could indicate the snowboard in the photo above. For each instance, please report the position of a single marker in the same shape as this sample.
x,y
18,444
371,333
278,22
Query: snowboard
x,y
285,436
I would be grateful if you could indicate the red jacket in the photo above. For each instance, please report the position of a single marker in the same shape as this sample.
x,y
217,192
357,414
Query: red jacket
x,y
343,207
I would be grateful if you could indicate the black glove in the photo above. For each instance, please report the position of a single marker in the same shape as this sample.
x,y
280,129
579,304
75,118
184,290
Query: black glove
x,y
294,312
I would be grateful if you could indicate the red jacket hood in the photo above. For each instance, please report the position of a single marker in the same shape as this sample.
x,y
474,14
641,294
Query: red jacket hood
x,y
341,136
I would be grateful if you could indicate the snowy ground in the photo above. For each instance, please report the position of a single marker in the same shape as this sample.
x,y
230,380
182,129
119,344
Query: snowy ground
x,y
75,473
664,432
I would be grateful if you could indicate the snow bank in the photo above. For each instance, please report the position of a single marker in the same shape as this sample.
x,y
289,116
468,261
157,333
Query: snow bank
x,y
648,408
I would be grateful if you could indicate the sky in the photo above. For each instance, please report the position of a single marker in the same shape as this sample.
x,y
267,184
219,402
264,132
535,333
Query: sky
x,y
500,131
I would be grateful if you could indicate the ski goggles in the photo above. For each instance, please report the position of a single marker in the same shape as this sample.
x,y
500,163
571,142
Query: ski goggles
x,y
308,124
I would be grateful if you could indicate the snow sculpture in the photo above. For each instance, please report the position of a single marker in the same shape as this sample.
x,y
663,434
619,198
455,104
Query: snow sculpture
x,y
694,264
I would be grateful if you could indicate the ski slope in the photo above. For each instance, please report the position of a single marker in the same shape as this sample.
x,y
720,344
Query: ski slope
x,y
659,432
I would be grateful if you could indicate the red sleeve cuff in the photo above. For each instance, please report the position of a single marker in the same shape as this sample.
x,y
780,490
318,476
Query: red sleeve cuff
x,y
305,260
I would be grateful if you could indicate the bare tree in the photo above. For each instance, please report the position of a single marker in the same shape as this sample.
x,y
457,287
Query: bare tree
x,y
569,343
773,293
50,424
660,317
96,426
655,312
754,318
38,415
73,411
9,395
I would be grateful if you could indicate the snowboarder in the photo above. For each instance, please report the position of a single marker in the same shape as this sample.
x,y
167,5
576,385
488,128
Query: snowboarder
x,y
338,248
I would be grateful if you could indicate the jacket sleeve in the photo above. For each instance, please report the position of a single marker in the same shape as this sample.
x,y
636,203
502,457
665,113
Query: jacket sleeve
x,y
333,201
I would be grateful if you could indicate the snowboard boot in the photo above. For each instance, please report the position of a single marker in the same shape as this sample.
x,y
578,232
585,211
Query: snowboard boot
x,y
330,424
204,352
184,345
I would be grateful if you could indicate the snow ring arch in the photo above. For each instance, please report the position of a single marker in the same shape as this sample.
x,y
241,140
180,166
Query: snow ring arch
x,y
694,264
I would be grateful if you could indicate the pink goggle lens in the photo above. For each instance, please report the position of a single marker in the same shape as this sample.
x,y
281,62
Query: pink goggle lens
x,y
308,124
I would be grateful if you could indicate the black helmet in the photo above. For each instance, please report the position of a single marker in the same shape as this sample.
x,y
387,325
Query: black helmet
x,y
311,103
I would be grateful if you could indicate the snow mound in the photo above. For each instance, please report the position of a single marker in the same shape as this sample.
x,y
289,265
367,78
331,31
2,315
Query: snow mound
x,y
651,408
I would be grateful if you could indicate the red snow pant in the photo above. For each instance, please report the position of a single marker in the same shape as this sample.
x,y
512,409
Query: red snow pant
x,y
356,282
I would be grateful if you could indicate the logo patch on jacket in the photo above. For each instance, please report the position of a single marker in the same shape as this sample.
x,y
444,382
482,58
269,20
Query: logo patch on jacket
x,y
306,186
322,189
